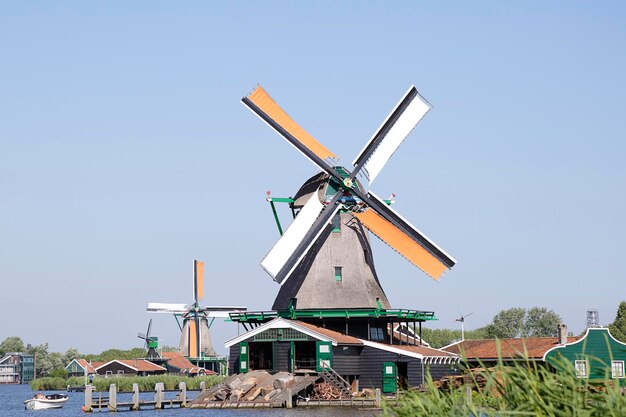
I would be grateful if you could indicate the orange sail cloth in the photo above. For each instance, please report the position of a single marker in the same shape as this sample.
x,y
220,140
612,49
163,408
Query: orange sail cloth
x,y
264,102
200,278
193,340
402,243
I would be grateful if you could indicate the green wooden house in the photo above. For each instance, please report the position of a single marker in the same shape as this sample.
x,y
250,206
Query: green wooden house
x,y
597,356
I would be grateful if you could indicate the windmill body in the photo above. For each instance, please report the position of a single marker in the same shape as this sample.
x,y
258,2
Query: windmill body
x,y
338,271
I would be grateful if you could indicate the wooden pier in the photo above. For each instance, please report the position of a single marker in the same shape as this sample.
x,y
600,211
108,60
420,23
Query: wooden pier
x,y
109,402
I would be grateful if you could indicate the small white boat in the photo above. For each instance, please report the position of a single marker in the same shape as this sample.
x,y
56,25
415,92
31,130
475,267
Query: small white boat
x,y
41,402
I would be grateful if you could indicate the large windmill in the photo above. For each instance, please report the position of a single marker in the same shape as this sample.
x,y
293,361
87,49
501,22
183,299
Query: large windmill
x,y
324,259
195,340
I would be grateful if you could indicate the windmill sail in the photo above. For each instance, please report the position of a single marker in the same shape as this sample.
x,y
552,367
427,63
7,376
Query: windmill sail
x,y
287,255
390,135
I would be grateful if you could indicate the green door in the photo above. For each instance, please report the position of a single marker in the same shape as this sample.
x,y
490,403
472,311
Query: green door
x,y
390,373
323,355
244,364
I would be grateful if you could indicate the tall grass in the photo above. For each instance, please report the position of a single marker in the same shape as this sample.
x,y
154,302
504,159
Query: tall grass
x,y
125,383
523,389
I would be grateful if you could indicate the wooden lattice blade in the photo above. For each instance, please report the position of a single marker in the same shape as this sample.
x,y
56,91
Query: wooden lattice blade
x,y
390,135
272,112
414,251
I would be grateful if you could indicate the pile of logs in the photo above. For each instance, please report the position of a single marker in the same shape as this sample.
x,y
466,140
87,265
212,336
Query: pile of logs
x,y
254,386
325,391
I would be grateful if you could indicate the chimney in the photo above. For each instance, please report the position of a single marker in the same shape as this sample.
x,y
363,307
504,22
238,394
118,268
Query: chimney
x,y
561,332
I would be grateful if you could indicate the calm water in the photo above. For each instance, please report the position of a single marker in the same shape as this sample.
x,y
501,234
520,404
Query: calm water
x,y
12,404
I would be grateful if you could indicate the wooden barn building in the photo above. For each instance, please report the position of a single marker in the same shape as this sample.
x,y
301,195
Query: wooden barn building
x,y
299,346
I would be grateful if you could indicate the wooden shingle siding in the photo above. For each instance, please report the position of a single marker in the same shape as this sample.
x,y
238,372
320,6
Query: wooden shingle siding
x,y
347,360
372,360
598,348
281,355
233,360
414,368
439,371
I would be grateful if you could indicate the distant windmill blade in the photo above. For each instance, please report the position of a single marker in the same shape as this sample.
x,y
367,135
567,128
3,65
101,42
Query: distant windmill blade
x,y
390,135
270,112
221,311
198,280
167,308
299,237
142,335
149,326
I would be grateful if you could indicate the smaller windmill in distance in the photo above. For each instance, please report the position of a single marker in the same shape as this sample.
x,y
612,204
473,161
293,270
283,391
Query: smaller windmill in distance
x,y
151,343
462,321
195,340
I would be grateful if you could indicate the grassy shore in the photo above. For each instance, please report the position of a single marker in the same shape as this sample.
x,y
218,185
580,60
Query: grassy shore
x,y
519,390
146,383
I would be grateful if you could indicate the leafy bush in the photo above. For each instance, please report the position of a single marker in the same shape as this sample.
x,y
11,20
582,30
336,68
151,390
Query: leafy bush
x,y
125,383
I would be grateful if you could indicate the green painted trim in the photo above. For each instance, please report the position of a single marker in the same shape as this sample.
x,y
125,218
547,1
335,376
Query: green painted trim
x,y
280,229
281,199
403,314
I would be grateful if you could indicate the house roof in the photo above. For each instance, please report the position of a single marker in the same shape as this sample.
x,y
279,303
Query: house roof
x,y
85,365
532,347
427,354
340,338
138,365
177,360
280,323
421,352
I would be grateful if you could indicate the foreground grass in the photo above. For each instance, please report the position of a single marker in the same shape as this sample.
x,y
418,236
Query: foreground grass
x,y
125,383
520,390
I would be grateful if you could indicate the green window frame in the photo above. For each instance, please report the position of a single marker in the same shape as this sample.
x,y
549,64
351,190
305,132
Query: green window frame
x,y
339,273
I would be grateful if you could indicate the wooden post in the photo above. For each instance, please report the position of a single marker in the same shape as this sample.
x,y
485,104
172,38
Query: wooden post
x,y
88,398
183,393
289,400
158,396
135,406
377,398
112,397
202,387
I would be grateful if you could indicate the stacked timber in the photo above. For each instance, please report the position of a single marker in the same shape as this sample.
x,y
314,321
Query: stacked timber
x,y
326,391
253,389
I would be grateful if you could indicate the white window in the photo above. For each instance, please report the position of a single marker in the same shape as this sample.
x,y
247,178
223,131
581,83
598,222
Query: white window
x,y
389,370
617,369
324,363
244,350
324,349
108,373
120,372
243,365
581,369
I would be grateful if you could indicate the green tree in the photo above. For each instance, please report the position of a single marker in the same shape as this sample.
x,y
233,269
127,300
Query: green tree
x,y
58,373
519,322
541,322
49,362
507,324
12,344
618,327
70,355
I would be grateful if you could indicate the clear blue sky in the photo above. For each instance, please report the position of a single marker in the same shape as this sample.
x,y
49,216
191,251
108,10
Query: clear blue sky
x,y
125,153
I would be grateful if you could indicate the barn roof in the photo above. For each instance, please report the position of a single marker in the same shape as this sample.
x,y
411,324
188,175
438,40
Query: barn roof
x,y
532,347
138,365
